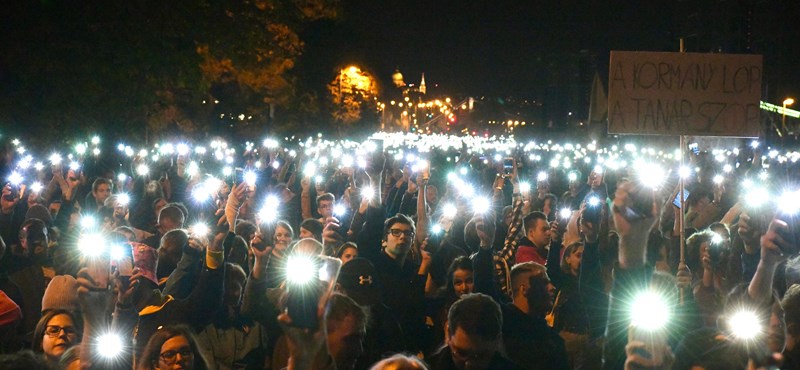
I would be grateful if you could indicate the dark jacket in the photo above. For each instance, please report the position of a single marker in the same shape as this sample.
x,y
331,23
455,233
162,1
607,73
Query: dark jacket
x,y
443,360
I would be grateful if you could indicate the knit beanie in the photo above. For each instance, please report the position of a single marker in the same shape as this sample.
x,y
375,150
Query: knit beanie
x,y
61,293
9,310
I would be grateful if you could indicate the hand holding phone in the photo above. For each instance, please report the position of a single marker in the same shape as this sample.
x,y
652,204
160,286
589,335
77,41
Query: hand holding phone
x,y
309,282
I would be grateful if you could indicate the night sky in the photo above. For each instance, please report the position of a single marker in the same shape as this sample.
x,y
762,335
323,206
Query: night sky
x,y
492,47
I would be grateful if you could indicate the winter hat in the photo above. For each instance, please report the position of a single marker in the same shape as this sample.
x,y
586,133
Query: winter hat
x,y
39,211
314,226
61,294
9,310
360,281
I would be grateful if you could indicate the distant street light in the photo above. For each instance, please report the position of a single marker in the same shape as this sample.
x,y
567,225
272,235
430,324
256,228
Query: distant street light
x,y
786,102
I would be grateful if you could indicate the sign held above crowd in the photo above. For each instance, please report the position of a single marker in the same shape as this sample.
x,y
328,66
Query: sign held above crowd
x,y
660,93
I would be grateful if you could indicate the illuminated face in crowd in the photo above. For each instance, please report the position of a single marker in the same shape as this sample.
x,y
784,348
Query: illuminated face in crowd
x,y
282,238
463,282
345,341
305,234
348,254
325,208
102,193
398,239
176,353
539,234
59,335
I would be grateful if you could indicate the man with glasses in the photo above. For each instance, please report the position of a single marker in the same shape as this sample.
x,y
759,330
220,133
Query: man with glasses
x,y
402,279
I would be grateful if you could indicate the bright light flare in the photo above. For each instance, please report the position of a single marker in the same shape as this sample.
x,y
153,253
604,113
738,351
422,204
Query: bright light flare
x,y
541,176
15,178
91,244
436,229
250,178
110,345
368,193
339,210
789,202
572,177
757,196
117,252
123,199
88,222
649,311
200,230
650,175
449,210
524,187
718,179
300,270
685,172
481,205
142,170
269,212
745,325
565,213
593,201
37,187
55,159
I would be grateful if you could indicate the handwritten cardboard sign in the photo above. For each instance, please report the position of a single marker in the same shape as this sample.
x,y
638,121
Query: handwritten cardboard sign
x,y
656,93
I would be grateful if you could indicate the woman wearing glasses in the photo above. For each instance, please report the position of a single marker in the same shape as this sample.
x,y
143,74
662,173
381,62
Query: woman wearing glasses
x,y
57,331
173,347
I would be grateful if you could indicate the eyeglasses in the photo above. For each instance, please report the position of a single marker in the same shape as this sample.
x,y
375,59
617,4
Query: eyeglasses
x,y
170,357
398,232
53,331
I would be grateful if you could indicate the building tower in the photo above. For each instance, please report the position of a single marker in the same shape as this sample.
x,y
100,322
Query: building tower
x,y
422,86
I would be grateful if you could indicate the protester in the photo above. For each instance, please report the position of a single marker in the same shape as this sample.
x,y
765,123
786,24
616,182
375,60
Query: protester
x,y
447,257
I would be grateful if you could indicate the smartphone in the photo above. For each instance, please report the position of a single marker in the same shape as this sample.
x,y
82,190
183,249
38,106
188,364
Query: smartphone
x,y
508,165
100,269
124,262
593,208
14,193
677,200
144,259
655,342
238,176
310,280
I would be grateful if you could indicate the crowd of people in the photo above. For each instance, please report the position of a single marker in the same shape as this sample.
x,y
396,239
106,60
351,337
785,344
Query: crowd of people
x,y
396,255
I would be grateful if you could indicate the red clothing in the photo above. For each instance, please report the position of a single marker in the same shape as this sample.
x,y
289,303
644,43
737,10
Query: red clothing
x,y
528,253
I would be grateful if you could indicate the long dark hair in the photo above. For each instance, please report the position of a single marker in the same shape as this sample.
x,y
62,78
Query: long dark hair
x,y
152,351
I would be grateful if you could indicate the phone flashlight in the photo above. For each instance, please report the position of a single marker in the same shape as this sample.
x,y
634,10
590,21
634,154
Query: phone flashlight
x,y
524,187
142,170
745,325
481,205
91,244
449,210
541,176
200,230
250,178
565,213
649,311
110,345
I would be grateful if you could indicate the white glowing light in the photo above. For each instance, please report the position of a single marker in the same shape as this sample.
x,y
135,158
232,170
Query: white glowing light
x,y
449,210
789,202
37,187
717,239
117,252
88,222
593,201
524,187
96,151
269,212
436,229
754,144
38,166
339,210
541,176
15,178
95,140
310,169
598,169
685,172
718,179
250,178
270,143
200,230
227,171
650,175
55,159
142,170
110,345
462,171
276,165
481,205
74,166
745,325
757,196
92,244
122,177
300,270
572,176
368,193
123,199
565,213
182,149
649,311
80,148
